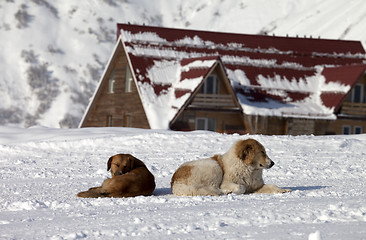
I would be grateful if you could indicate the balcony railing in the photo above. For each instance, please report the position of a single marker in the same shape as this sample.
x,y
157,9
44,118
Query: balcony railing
x,y
218,101
349,108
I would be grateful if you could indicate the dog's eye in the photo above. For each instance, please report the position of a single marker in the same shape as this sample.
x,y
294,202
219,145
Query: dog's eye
x,y
117,165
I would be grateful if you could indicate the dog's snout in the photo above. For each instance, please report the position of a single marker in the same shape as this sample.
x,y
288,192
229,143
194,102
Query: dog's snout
x,y
118,173
271,164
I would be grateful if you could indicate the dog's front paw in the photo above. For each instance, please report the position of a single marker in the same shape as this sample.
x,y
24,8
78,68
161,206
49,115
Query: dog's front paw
x,y
285,190
272,189
240,190
228,188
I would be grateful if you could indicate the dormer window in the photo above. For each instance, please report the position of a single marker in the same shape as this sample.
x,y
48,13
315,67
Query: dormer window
x,y
211,85
358,94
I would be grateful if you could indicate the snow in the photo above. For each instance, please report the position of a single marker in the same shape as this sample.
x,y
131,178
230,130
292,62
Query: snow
x,y
315,236
307,108
42,169
310,107
161,108
164,72
239,77
199,64
158,106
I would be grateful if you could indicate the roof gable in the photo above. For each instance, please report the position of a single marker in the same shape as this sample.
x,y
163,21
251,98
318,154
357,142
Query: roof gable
x,y
344,76
109,68
276,76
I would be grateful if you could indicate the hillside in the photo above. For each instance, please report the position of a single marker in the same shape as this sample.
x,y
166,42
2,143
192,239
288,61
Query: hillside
x,y
53,53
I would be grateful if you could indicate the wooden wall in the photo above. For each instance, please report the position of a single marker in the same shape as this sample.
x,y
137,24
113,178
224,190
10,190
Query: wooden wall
x,y
336,127
286,126
266,125
226,122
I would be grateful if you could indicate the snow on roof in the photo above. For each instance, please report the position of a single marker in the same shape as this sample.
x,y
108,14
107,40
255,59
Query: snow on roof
x,y
165,85
271,76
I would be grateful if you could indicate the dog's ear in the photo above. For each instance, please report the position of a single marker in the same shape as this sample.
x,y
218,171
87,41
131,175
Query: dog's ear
x,y
131,160
109,164
246,152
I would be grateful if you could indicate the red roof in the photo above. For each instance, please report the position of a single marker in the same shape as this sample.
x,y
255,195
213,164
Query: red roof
x,y
271,75
345,75
302,46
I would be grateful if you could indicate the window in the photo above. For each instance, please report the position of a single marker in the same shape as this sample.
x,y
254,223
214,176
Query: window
x,y
357,95
128,83
191,117
206,124
346,130
357,130
127,120
109,121
211,124
111,83
211,85
201,124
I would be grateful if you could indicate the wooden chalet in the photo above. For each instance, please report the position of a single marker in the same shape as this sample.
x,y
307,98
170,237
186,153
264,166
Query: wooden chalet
x,y
164,78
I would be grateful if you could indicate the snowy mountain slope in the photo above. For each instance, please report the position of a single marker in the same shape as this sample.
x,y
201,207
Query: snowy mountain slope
x,y
42,169
52,53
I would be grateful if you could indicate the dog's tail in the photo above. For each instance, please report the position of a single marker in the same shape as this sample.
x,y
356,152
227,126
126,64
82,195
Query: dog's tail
x,y
91,193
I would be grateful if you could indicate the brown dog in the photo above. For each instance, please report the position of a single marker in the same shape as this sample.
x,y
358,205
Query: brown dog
x,y
130,178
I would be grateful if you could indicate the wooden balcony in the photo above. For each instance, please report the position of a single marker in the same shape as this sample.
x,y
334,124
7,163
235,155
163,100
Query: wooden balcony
x,y
354,109
214,101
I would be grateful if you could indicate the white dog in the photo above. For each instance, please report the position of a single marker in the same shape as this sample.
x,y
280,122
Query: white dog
x,y
237,171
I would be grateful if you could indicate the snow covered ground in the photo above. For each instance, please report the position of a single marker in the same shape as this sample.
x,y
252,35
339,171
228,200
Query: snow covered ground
x,y
53,52
41,170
